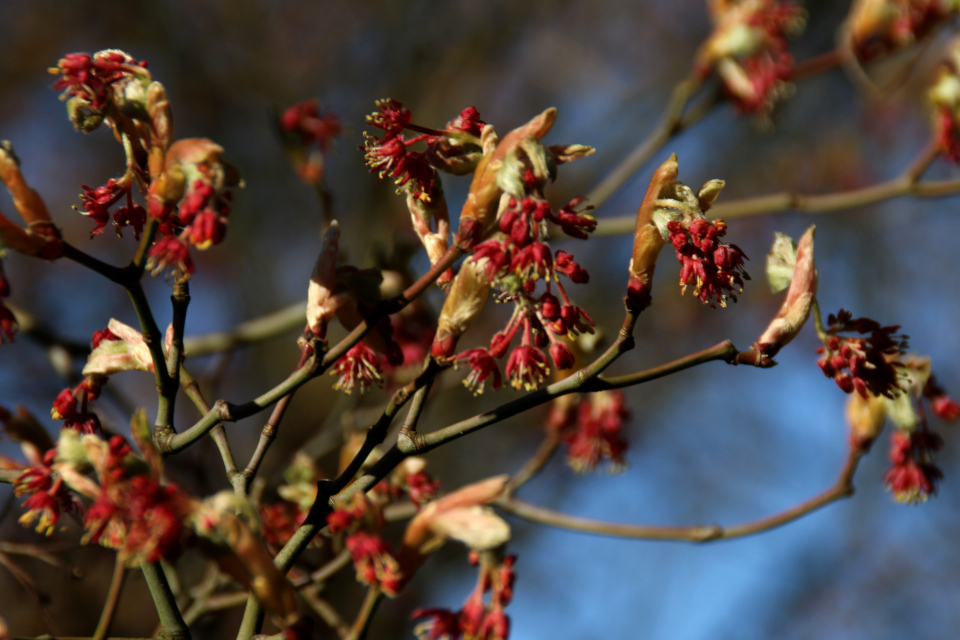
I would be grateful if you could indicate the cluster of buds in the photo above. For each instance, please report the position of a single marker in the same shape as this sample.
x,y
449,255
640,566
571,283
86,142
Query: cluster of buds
x,y
97,202
410,478
867,364
748,49
196,178
875,27
49,496
132,511
670,211
944,97
591,427
514,258
72,406
456,149
913,475
373,557
478,619
307,133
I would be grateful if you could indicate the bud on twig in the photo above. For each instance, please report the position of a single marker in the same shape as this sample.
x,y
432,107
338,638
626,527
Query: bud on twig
x,y
462,306
485,190
321,302
803,289
647,239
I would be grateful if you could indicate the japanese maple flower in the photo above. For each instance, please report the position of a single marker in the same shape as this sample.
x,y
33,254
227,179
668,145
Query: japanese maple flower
x,y
48,495
280,521
97,202
90,78
358,368
132,511
482,366
8,324
312,126
748,49
591,429
71,406
877,26
715,270
527,367
375,561
865,364
944,98
913,477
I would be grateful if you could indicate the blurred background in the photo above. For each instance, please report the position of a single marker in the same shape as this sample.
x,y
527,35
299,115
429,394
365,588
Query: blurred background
x,y
714,444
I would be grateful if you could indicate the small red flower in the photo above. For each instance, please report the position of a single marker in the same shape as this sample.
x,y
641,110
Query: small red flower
x,y
863,364
913,476
375,561
527,367
595,435
715,270
358,368
280,521
482,366
170,252
313,127
8,324
48,495
566,265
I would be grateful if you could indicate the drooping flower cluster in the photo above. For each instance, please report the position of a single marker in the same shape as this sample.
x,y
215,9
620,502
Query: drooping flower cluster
x,y
512,261
307,133
913,477
879,26
95,86
453,149
477,619
133,512
373,557
749,50
591,427
97,202
72,406
48,495
191,201
359,368
715,270
868,364
671,211
944,97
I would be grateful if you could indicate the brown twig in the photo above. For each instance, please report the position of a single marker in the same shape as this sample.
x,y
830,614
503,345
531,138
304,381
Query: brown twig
x,y
113,597
698,533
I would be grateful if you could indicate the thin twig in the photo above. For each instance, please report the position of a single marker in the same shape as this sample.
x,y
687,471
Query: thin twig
x,y
113,597
843,488
362,624
271,325
326,611
535,464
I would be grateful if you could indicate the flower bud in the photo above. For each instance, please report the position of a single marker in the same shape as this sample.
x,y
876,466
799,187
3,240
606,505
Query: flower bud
x,y
481,205
803,289
467,296
321,302
647,238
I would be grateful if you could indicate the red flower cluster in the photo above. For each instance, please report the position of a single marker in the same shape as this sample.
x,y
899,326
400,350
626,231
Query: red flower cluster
x,y
90,78
134,513
71,405
312,127
913,476
8,322
200,220
49,496
414,170
373,558
358,368
97,203
591,429
280,521
715,270
948,134
945,407
865,364
477,620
